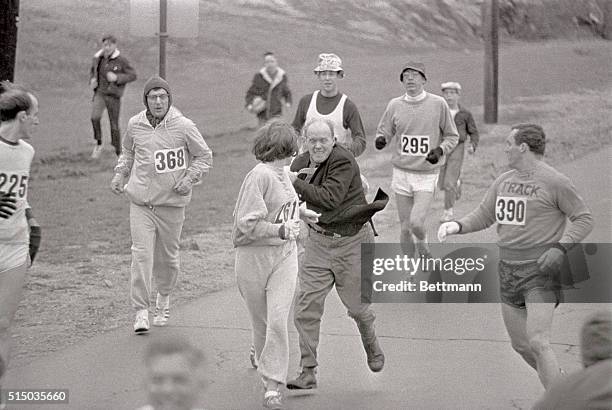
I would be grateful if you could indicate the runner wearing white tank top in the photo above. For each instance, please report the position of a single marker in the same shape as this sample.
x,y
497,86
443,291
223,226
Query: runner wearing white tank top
x,y
328,103
342,134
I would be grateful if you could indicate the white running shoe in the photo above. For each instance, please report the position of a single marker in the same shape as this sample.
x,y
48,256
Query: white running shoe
x,y
447,216
97,151
142,321
162,310
273,400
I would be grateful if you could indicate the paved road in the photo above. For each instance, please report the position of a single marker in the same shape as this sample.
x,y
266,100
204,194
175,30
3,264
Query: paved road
x,y
447,356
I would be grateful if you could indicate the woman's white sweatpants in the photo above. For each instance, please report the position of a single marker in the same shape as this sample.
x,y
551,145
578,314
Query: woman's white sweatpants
x,y
266,277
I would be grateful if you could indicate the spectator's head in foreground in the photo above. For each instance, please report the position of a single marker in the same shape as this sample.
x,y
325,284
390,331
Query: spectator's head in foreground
x,y
596,338
174,374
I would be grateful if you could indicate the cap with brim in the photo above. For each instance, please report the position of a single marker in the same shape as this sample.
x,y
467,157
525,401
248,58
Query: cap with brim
x,y
420,67
329,62
450,85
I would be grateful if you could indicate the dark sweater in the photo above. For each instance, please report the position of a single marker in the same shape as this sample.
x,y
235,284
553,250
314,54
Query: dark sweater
x,y
334,190
466,126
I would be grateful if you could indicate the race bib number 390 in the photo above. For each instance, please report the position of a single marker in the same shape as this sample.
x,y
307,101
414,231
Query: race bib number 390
x,y
169,160
510,210
415,145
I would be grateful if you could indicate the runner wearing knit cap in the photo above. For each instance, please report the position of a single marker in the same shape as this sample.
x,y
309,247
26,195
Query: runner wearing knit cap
x,y
163,156
421,131
531,204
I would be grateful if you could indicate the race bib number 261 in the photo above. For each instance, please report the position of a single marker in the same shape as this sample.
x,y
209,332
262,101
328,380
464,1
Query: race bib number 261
x,y
510,210
415,145
168,160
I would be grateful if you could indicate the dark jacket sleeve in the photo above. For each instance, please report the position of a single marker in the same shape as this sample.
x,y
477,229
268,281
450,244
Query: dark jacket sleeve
x,y
472,130
331,193
128,75
93,70
287,90
352,121
254,90
300,114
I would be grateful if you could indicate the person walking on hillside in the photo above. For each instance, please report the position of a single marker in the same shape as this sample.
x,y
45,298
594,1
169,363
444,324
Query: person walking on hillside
x,y
450,172
109,73
164,156
269,91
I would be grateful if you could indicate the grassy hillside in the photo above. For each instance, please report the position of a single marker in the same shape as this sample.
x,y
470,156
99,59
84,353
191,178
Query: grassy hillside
x,y
57,37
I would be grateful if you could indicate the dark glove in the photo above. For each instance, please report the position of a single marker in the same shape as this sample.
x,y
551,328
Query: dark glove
x,y
434,155
8,205
380,142
35,236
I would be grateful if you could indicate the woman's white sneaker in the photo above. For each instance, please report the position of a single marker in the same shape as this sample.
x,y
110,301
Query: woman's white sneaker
x,y
141,324
162,310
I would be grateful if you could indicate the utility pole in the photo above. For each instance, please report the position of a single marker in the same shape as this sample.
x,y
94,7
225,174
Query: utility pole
x,y
163,36
8,38
490,15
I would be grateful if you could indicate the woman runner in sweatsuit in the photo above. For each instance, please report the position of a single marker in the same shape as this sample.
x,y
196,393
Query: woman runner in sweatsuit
x,y
266,224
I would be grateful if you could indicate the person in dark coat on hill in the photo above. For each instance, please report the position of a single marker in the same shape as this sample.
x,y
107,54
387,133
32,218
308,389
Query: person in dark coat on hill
x,y
269,91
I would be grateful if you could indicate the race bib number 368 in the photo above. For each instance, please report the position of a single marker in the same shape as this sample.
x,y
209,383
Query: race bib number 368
x,y
510,210
415,145
169,160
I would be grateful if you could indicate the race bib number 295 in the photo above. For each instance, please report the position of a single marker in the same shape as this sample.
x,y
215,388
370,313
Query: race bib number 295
x,y
510,210
415,145
168,160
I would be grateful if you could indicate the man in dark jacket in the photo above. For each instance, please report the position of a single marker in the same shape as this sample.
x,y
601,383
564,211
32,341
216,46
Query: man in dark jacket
x,y
448,180
109,73
333,246
269,91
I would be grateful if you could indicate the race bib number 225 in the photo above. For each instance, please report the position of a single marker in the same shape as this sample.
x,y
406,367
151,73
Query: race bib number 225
x,y
510,210
14,184
168,160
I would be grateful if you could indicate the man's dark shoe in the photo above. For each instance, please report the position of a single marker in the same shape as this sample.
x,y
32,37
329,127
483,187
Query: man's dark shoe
x,y
307,379
365,324
376,357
